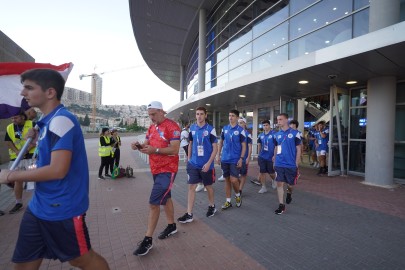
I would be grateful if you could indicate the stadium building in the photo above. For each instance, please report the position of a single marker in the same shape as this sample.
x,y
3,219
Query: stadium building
x,y
342,61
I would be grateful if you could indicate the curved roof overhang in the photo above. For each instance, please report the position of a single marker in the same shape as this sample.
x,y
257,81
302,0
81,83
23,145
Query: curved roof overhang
x,y
165,31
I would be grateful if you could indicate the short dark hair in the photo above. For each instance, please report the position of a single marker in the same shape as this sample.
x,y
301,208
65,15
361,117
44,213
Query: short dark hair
x,y
201,109
46,78
235,112
294,122
284,114
266,122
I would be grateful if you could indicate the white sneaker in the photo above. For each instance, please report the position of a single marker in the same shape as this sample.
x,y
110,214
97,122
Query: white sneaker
x,y
199,187
315,164
222,178
263,190
273,184
205,189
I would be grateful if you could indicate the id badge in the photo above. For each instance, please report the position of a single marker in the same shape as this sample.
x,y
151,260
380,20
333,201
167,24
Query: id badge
x,y
319,141
278,149
265,147
200,150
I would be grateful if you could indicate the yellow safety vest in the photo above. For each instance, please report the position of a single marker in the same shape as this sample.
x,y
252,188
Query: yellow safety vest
x,y
104,151
18,143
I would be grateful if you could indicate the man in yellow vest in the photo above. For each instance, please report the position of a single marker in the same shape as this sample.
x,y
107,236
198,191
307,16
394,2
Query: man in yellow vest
x,y
15,140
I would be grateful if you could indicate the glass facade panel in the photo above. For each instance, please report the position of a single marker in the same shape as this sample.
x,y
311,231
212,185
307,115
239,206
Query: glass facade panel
x,y
222,67
240,41
328,36
271,40
298,5
222,79
360,23
357,158
240,71
270,59
359,97
358,123
401,93
321,14
360,4
222,54
399,161
270,20
399,123
241,56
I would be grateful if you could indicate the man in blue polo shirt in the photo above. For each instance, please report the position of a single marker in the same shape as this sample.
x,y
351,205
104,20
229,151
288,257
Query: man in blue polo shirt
x,y
53,225
287,155
265,148
231,151
248,153
200,167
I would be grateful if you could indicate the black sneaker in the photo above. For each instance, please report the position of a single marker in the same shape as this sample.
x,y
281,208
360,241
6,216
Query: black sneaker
x,y
288,199
170,229
1,213
100,177
280,209
256,182
17,207
186,218
211,211
144,246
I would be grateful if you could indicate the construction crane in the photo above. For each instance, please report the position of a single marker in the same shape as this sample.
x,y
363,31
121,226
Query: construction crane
x,y
94,77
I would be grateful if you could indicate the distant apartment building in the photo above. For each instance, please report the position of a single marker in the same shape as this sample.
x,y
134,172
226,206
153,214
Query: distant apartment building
x,y
76,96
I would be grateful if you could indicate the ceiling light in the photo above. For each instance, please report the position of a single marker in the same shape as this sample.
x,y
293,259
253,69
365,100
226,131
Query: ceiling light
x,y
303,82
208,104
327,41
191,109
243,96
351,82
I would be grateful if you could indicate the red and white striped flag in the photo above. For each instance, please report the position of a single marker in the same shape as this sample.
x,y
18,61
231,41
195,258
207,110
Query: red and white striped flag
x,y
11,101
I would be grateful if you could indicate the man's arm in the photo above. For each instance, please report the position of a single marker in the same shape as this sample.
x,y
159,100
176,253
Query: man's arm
x,y
190,149
57,169
298,156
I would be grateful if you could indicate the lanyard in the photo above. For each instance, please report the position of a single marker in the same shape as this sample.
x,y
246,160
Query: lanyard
x,y
202,137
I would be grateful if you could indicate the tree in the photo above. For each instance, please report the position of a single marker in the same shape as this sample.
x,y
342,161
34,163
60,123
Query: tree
x,y
86,121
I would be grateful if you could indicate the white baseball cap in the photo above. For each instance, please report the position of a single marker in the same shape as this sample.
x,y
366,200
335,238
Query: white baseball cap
x,y
155,105
242,120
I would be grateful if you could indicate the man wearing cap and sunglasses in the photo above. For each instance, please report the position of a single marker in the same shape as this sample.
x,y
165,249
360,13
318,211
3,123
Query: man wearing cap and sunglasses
x,y
162,144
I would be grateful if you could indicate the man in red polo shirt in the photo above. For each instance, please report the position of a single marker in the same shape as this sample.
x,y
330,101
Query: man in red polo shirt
x,y
162,144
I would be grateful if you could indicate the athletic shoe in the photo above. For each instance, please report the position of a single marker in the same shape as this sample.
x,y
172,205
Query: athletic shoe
x,y
17,207
238,200
1,213
186,218
170,229
144,246
101,177
280,209
263,190
273,184
205,189
226,205
288,199
222,178
199,187
211,211
256,182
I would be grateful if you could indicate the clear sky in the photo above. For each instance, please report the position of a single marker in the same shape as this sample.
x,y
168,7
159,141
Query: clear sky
x,y
88,33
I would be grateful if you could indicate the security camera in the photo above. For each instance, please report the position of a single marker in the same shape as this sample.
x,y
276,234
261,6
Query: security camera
x,y
332,76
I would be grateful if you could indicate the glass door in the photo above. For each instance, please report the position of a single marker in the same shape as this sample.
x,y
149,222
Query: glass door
x,y
338,130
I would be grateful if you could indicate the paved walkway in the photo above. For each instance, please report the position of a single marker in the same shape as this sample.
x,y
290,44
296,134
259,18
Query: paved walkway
x,y
332,223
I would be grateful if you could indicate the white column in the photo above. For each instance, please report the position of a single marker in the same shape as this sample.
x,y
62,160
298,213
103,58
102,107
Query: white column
x,y
182,90
202,31
383,13
381,98
255,125
301,114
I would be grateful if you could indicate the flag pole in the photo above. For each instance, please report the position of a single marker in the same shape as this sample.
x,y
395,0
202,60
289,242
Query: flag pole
x,y
22,152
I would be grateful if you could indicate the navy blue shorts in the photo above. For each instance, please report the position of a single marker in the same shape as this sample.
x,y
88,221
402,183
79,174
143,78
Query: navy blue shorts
x,y
162,186
244,169
196,176
288,175
230,169
266,166
64,240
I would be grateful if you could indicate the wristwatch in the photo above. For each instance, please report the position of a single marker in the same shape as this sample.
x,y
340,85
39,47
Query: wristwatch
x,y
157,151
